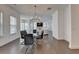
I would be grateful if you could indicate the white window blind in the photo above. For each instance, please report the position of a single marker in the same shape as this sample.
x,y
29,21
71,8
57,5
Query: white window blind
x,y
13,25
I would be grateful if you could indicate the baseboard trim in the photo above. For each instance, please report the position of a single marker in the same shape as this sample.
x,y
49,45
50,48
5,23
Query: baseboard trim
x,y
9,42
58,39
73,47
61,40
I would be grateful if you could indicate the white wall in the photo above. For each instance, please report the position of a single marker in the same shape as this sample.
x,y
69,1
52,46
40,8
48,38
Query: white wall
x,y
60,24
7,37
71,26
55,24
75,27
67,23
70,21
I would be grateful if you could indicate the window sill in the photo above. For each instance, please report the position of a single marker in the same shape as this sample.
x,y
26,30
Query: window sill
x,y
12,33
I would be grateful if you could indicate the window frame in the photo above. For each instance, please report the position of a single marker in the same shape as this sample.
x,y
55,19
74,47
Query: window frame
x,y
23,22
1,24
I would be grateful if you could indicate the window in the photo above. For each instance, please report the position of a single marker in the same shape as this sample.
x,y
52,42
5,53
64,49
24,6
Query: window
x,y
24,25
1,24
13,24
27,26
45,26
35,25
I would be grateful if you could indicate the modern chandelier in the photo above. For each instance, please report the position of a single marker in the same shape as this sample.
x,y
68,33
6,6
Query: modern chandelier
x,y
35,17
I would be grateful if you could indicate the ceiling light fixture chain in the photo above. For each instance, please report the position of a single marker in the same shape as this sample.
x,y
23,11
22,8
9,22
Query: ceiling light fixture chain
x,y
35,10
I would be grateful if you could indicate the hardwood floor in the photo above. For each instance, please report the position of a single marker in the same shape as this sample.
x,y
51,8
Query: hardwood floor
x,y
51,46
48,45
13,48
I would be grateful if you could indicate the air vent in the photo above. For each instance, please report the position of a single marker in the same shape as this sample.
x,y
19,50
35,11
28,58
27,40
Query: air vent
x,y
49,8
14,4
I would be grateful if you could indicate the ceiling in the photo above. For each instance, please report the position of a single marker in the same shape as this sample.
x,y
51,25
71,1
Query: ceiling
x,y
41,9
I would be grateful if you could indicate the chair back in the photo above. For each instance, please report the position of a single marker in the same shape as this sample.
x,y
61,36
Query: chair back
x,y
23,33
28,39
34,31
42,34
